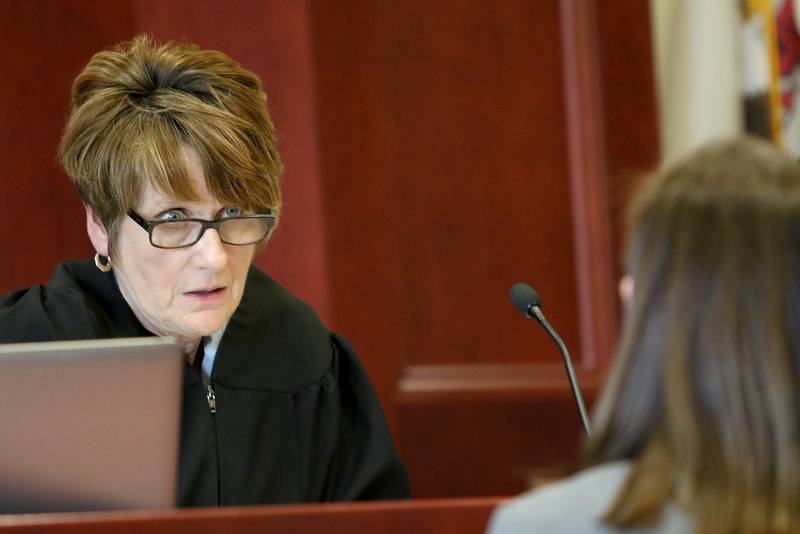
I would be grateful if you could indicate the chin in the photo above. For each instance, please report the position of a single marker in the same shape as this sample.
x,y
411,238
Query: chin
x,y
204,325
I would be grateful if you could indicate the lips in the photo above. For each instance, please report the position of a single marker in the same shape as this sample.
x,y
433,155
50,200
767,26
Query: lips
x,y
206,292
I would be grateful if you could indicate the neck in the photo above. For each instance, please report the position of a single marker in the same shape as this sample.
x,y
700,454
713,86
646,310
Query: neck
x,y
189,348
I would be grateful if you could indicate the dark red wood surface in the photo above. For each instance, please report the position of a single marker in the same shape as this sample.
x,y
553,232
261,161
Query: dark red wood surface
x,y
478,430
446,516
43,46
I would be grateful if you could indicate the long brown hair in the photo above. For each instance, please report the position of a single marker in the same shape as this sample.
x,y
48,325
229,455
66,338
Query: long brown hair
x,y
704,393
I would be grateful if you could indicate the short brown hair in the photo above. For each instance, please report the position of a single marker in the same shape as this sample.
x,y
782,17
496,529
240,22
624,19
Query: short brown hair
x,y
134,106
704,396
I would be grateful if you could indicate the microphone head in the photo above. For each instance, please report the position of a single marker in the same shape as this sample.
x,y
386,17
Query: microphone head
x,y
524,297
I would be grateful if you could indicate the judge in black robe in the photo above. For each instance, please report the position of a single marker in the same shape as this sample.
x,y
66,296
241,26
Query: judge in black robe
x,y
175,158
296,418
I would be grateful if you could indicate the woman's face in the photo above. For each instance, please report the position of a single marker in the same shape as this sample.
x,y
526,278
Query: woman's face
x,y
185,292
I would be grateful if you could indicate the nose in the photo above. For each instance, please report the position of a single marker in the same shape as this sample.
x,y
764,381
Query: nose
x,y
210,251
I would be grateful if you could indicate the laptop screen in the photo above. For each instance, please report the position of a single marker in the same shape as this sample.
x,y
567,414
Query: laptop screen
x,y
89,425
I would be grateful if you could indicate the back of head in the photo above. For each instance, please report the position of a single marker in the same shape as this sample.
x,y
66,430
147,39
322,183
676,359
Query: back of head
x,y
135,107
703,395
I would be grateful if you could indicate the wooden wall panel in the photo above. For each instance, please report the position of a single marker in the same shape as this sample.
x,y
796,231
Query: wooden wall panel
x,y
591,229
488,430
442,144
629,102
468,429
43,45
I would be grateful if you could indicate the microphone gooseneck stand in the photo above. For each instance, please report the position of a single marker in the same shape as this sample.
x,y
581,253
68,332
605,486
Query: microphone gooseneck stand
x,y
527,301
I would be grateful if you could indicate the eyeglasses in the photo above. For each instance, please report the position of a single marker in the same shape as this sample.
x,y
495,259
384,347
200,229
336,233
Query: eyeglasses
x,y
243,230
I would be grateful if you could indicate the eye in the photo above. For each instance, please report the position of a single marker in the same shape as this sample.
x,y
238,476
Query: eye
x,y
231,211
171,215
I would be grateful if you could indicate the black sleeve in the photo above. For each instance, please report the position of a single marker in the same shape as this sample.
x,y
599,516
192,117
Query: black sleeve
x,y
367,463
350,450
42,314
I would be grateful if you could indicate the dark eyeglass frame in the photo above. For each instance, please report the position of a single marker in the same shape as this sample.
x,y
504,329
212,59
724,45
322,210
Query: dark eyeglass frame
x,y
149,226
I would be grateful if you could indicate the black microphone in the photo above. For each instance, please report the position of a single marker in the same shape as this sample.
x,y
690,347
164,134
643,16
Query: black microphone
x,y
527,301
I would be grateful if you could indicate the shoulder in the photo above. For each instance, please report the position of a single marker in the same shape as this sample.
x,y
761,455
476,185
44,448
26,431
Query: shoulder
x,y
576,505
571,505
79,302
274,302
274,340
54,311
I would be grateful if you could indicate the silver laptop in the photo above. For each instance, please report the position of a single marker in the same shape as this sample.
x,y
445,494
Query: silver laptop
x,y
89,425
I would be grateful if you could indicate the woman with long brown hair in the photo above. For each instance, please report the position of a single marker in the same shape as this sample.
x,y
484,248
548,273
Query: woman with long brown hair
x,y
697,428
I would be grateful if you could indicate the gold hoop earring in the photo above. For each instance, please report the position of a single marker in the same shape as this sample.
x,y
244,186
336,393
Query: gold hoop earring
x,y
105,267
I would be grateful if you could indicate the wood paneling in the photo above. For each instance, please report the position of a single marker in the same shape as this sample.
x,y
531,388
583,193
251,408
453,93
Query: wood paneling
x,y
473,430
43,45
591,228
488,430
629,103
444,163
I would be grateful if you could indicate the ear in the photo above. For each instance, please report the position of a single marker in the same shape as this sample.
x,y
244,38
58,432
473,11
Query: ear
x,y
96,230
626,288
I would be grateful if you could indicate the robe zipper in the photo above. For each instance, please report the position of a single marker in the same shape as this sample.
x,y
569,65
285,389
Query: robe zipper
x,y
211,398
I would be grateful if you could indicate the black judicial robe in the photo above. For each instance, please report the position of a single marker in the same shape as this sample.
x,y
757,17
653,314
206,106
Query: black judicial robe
x,y
297,419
